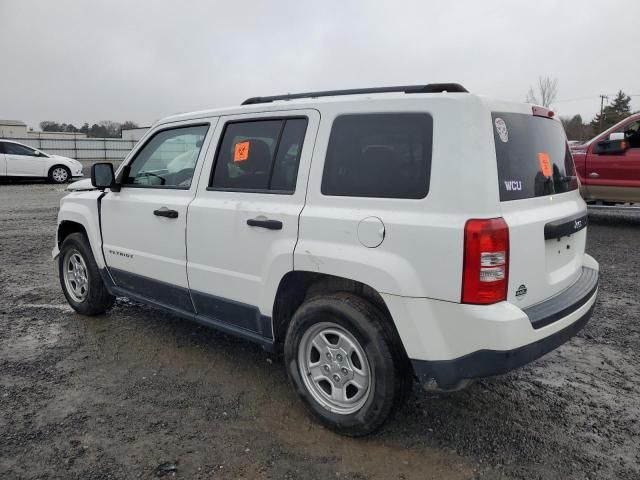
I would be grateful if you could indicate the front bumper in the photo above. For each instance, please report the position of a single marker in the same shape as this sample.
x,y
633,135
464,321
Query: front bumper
x,y
578,299
77,171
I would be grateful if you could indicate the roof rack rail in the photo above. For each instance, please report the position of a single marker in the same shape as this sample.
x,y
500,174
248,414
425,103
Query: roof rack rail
x,y
430,88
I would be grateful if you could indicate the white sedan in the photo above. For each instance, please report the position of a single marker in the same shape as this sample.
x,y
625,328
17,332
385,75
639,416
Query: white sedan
x,y
18,160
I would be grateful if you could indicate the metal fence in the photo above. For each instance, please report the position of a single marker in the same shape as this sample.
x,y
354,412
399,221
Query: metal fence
x,y
83,149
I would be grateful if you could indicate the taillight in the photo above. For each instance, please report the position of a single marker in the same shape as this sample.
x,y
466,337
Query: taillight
x,y
485,272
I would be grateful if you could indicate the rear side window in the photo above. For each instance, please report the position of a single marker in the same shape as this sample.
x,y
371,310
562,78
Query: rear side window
x,y
386,155
260,155
532,155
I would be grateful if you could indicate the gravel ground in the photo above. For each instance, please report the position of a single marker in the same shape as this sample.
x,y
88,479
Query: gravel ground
x,y
138,393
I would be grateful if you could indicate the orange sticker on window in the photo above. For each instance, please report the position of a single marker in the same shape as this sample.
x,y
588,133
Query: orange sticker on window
x,y
545,164
241,151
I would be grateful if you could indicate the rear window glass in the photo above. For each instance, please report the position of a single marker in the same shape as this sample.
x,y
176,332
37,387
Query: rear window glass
x,y
533,156
379,155
260,155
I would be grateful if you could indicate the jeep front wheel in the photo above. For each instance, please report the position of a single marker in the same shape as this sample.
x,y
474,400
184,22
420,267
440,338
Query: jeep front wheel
x,y
80,278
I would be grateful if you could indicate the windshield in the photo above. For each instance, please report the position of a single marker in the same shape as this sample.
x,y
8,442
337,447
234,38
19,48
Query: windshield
x,y
532,155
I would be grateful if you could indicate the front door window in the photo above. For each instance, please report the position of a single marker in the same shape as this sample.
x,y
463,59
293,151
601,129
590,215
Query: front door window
x,y
168,159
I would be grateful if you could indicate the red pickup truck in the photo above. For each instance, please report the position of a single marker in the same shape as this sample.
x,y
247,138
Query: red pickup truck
x,y
608,165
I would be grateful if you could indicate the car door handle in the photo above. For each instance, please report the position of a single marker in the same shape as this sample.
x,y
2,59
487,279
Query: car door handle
x,y
594,175
165,212
265,223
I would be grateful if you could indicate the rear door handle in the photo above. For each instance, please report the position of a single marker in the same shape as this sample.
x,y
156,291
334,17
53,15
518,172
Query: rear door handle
x,y
594,175
265,223
165,212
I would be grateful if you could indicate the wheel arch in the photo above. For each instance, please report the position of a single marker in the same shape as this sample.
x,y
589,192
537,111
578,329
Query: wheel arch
x,y
67,227
80,215
298,286
55,165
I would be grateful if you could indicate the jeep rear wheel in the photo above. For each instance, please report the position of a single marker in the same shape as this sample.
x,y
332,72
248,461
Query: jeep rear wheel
x,y
344,360
334,368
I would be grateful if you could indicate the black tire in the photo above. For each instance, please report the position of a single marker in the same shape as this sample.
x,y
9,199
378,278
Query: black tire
x,y
391,380
53,177
97,299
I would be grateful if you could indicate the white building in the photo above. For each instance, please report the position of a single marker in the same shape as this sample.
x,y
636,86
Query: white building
x,y
13,128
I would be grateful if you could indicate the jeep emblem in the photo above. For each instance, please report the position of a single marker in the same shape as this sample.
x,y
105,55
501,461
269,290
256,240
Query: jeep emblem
x,y
577,224
521,291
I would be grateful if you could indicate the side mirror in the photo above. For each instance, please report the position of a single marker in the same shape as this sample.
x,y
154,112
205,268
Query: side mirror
x,y
611,147
102,175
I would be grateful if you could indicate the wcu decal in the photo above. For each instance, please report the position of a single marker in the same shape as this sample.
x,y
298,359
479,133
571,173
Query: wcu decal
x,y
513,185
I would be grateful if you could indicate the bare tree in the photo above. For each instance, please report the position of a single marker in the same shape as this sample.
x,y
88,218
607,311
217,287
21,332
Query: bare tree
x,y
546,94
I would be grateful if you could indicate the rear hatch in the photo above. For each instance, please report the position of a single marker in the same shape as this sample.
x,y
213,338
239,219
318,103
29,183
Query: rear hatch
x,y
541,204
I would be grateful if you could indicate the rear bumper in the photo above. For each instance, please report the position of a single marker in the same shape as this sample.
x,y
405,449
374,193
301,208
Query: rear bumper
x,y
450,374
567,302
576,302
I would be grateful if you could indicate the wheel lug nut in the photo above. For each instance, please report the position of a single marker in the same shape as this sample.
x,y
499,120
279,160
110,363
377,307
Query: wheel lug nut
x,y
339,357
344,371
326,368
329,356
336,378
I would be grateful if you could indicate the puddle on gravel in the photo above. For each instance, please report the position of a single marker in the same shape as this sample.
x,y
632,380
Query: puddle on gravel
x,y
31,343
298,431
362,456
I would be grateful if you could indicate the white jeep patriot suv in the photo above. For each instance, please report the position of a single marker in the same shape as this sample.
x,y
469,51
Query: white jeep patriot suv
x,y
373,236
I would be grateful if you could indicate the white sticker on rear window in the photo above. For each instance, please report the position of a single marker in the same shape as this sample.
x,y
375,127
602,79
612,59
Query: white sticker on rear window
x,y
501,128
513,185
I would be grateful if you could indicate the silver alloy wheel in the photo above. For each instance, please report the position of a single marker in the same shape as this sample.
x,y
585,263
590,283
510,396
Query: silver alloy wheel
x,y
75,275
334,368
60,174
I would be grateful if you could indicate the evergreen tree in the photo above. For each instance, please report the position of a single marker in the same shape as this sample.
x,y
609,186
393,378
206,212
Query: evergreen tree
x,y
618,110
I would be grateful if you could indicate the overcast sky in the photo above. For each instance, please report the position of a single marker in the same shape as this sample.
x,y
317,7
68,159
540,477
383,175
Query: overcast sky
x,y
77,61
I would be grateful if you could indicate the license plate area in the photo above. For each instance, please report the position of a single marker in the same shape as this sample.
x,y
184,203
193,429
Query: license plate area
x,y
563,257
560,251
